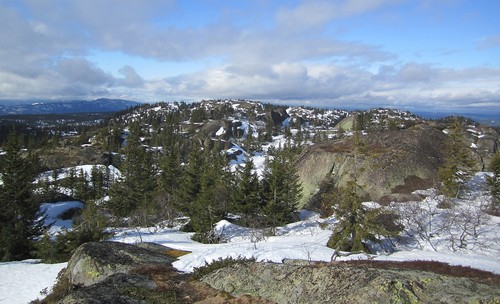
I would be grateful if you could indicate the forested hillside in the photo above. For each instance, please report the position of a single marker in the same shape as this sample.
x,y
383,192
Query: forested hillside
x,y
251,163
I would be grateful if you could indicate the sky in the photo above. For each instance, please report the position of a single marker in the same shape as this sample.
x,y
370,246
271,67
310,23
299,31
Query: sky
x,y
433,55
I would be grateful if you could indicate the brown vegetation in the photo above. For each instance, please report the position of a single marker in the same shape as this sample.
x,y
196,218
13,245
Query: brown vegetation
x,y
480,276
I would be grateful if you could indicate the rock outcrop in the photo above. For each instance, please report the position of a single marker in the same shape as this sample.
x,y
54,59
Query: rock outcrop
x,y
341,283
387,166
93,262
112,272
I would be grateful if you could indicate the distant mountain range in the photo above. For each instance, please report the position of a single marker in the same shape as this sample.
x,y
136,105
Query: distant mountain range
x,y
65,107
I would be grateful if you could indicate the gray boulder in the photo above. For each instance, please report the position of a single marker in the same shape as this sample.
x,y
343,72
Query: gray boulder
x,y
94,262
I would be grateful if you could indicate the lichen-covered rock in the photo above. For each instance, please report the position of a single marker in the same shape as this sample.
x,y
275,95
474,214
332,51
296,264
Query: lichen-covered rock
x,y
337,283
93,262
118,288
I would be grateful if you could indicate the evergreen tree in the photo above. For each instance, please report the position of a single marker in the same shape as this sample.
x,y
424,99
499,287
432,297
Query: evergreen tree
x,y
82,187
281,189
211,203
137,184
170,159
494,183
190,184
70,181
18,211
246,194
356,223
97,181
456,159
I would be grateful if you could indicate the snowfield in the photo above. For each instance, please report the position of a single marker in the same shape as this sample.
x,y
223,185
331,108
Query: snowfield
x,y
21,282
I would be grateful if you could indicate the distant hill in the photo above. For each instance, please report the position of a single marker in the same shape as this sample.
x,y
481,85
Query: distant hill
x,y
65,107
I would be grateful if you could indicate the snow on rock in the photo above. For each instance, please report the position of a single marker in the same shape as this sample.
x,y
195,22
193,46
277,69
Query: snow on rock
x,y
86,170
220,132
53,212
238,155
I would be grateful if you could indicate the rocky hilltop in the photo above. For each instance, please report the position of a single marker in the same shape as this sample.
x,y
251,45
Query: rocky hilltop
x,y
110,272
390,165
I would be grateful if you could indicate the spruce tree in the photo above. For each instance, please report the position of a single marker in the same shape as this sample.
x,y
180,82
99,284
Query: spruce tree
x,y
456,159
494,183
137,184
82,187
246,194
190,184
357,224
350,232
209,205
281,189
18,210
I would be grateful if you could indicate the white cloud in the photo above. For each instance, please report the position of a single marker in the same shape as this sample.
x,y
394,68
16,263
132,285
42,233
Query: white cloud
x,y
314,13
293,56
131,78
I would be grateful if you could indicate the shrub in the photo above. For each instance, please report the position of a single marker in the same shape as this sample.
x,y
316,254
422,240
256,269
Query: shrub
x,y
60,248
202,271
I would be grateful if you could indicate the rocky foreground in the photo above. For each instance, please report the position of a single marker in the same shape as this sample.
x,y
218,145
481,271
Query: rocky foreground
x,y
110,272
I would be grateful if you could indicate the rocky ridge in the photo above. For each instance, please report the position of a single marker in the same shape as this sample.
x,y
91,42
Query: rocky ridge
x,y
342,283
111,272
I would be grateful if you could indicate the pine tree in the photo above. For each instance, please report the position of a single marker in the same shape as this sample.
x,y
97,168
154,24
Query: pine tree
x,y
18,211
82,187
70,181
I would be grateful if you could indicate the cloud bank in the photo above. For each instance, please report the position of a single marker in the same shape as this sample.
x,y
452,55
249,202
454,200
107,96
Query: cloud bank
x,y
299,52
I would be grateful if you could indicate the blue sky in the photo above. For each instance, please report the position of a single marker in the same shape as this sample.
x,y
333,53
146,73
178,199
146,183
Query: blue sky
x,y
437,55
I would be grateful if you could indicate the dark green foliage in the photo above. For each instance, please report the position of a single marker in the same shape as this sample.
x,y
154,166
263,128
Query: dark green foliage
x,y
350,231
88,227
208,203
198,115
59,249
494,183
200,272
18,210
70,181
281,189
358,224
246,193
457,159
190,183
138,177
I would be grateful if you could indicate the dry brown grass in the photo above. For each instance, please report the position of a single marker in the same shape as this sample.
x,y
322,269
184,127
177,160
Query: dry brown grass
x,y
175,253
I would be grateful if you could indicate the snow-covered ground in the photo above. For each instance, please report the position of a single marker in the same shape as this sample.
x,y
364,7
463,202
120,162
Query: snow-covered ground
x,y
306,239
23,281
